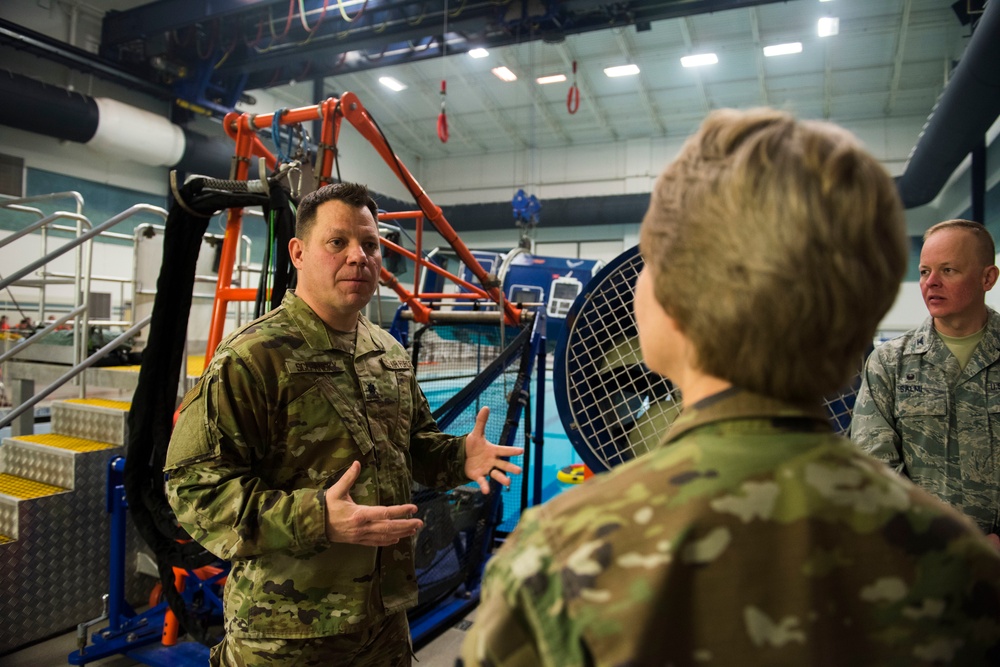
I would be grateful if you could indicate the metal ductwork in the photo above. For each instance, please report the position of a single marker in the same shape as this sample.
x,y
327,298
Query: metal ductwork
x,y
969,105
109,127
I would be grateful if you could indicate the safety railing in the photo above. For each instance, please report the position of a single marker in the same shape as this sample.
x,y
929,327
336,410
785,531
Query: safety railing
x,y
81,278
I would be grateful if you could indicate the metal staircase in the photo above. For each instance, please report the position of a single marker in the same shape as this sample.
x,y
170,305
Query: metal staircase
x,y
53,521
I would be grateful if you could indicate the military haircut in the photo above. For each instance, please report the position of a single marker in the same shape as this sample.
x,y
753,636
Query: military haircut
x,y
353,194
986,249
777,245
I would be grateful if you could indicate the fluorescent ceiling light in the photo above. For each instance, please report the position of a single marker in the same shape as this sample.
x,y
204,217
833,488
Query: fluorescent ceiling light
x,y
699,60
554,78
479,53
783,49
504,74
828,26
622,70
391,83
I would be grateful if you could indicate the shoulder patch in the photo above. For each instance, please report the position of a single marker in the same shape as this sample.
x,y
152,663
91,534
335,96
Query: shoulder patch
x,y
313,367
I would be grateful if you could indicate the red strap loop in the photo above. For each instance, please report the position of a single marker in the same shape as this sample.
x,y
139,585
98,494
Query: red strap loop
x,y
573,99
443,117
573,96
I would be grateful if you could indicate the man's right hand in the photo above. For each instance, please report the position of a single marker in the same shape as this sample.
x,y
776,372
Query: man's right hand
x,y
372,526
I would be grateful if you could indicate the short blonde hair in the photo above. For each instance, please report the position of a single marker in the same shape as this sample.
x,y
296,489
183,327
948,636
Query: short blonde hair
x,y
777,246
985,248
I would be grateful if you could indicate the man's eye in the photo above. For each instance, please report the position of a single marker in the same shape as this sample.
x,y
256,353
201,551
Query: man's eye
x,y
336,243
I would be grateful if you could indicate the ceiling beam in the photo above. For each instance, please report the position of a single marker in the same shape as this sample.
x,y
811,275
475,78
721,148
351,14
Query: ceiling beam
x,y
490,106
759,56
625,44
827,82
358,83
897,61
689,45
510,59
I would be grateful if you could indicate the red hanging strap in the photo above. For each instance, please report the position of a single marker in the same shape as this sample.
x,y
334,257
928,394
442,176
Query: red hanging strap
x,y
443,117
573,95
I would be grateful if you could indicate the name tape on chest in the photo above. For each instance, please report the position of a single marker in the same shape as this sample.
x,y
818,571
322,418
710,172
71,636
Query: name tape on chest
x,y
313,367
396,364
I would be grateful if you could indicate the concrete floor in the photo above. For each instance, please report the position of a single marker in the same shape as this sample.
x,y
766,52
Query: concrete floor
x,y
440,652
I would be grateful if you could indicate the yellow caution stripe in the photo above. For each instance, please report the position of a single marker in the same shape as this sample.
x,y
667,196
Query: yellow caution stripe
x,y
22,488
102,403
69,442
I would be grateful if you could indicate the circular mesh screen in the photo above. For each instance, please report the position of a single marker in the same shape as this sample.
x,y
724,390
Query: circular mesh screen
x,y
612,407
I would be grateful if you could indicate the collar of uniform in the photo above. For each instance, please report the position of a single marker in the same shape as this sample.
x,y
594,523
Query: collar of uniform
x,y
315,332
988,350
736,403
924,339
366,340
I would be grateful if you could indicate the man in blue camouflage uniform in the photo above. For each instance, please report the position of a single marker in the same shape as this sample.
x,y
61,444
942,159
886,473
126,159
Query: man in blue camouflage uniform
x,y
929,404
753,535
293,458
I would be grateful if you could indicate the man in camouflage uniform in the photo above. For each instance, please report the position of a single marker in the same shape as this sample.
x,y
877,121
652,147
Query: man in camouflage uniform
x,y
752,535
294,455
929,403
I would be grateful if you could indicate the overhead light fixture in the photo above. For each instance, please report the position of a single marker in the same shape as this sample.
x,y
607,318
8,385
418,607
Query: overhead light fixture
x,y
621,70
391,83
479,53
783,49
504,74
699,60
554,78
828,26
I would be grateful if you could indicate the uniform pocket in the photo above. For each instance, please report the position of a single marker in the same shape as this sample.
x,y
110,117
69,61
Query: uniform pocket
x,y
922,413
192,439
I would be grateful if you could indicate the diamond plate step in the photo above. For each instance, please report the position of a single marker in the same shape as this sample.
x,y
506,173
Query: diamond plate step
x,y
95,419
47,458
54,555
14,490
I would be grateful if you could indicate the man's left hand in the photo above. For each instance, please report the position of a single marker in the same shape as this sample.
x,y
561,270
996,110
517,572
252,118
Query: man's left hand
x,y
483,458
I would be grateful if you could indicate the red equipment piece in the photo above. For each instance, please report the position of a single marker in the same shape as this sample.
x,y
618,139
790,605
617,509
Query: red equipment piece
x,y
243,129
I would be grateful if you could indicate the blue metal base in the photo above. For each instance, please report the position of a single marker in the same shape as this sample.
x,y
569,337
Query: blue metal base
x,y
448,612
132,632
182,654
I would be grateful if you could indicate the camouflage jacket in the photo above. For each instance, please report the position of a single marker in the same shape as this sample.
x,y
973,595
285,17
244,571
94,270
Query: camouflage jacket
x,y
935,423
752,536
279,415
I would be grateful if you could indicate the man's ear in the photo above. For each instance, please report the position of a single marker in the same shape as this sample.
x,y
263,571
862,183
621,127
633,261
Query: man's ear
x,y
296,247
990,277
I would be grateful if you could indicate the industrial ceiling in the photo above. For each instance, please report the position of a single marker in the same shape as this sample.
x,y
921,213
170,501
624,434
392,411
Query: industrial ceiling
x,y
889,59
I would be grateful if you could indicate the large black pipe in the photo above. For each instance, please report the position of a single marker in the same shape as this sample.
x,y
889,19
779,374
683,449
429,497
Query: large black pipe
x,y
36,107
968,107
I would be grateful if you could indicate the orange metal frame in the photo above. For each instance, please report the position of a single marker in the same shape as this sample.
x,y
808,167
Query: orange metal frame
x,y
242,128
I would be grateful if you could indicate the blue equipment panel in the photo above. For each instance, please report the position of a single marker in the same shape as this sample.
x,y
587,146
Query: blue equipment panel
x,y
553,281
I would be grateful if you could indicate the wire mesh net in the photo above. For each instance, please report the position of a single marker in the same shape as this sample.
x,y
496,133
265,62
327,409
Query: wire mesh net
x,y
612,406
617,408
460,523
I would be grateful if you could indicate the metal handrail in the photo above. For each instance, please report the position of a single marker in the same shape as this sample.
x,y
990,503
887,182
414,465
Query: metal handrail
x,y
73,372
72,194
81,332
110,222
41,333
38,224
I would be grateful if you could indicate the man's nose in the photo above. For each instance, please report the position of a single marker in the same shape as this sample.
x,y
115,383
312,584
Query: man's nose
x,y
356,254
